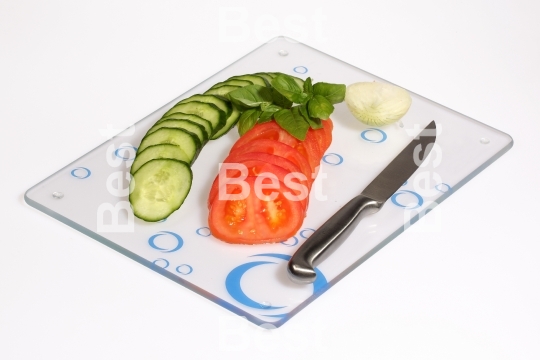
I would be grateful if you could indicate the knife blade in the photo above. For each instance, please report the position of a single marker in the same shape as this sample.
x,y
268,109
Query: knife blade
x,y
325,240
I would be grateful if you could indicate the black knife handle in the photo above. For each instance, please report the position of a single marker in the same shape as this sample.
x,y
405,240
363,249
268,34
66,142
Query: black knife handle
x,y
328,238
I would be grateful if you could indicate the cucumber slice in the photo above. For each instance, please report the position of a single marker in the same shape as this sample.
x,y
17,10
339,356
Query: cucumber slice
x,y
189,142
193,118
211,99
207,111
161,151
257,80
232,82
159,188
231,121
222,90
266,77
182,124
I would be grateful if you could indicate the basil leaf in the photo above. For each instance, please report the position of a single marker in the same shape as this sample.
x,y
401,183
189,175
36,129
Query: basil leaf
x,y
280,100
335,93
308,86
313,122
287,87
273,108
251,96
293,123
268,113
319,107
247,120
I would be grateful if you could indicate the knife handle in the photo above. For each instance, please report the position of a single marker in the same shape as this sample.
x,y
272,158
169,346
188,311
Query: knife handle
x,y
328,238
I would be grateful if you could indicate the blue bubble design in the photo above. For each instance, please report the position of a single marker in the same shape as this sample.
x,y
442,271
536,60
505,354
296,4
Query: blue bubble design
x,y
117,152
234,287
332,156
180,241
155,262
300,69
364,133
203,231
232,283
77,170
394,198
184,266
303,232
443,187
286,242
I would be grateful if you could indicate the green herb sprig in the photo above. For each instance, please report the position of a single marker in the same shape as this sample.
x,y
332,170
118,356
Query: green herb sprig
x,y
294,108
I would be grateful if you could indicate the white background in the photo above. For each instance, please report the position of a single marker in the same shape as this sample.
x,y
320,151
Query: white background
x,y
470,291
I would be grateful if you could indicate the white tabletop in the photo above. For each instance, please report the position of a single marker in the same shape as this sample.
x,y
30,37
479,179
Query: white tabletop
x,y
469,291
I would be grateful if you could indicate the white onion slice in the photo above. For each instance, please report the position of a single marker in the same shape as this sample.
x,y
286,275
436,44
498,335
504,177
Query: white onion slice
x,y
377,104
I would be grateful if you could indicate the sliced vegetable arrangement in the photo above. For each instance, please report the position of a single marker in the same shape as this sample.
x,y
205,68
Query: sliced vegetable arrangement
x,y
279,111
274,210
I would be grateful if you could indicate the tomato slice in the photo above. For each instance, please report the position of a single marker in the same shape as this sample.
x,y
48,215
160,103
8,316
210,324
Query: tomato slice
x,y
320,137
274,147
312,148
253,220
328,126
270,130
269,158
257,167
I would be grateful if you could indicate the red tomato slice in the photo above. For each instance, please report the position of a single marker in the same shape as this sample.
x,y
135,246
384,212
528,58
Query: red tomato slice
x,y
312,148
255,221
320,136
269,158
272,131
255,168
274,147
269,130
328,127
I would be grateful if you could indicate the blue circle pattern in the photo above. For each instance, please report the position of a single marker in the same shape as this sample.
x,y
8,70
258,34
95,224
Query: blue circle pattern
x,y
364,133
331,155
420,200
302,233
180,241
286,242
117,152
155,262
234,287
189,269
300,69
444,188
74,173
200,233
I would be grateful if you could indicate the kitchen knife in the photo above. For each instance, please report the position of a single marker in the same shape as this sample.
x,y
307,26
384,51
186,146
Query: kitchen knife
x,y
335,230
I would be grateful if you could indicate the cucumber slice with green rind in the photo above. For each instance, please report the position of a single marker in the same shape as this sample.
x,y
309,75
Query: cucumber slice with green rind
x,y
189,142
193,118
222,90
234,82
231,121
182,124
257,80
211,99
158,188
267,77
160,151
207,111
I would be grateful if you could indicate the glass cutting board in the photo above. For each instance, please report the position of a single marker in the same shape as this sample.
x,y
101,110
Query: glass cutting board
x,y
250,280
